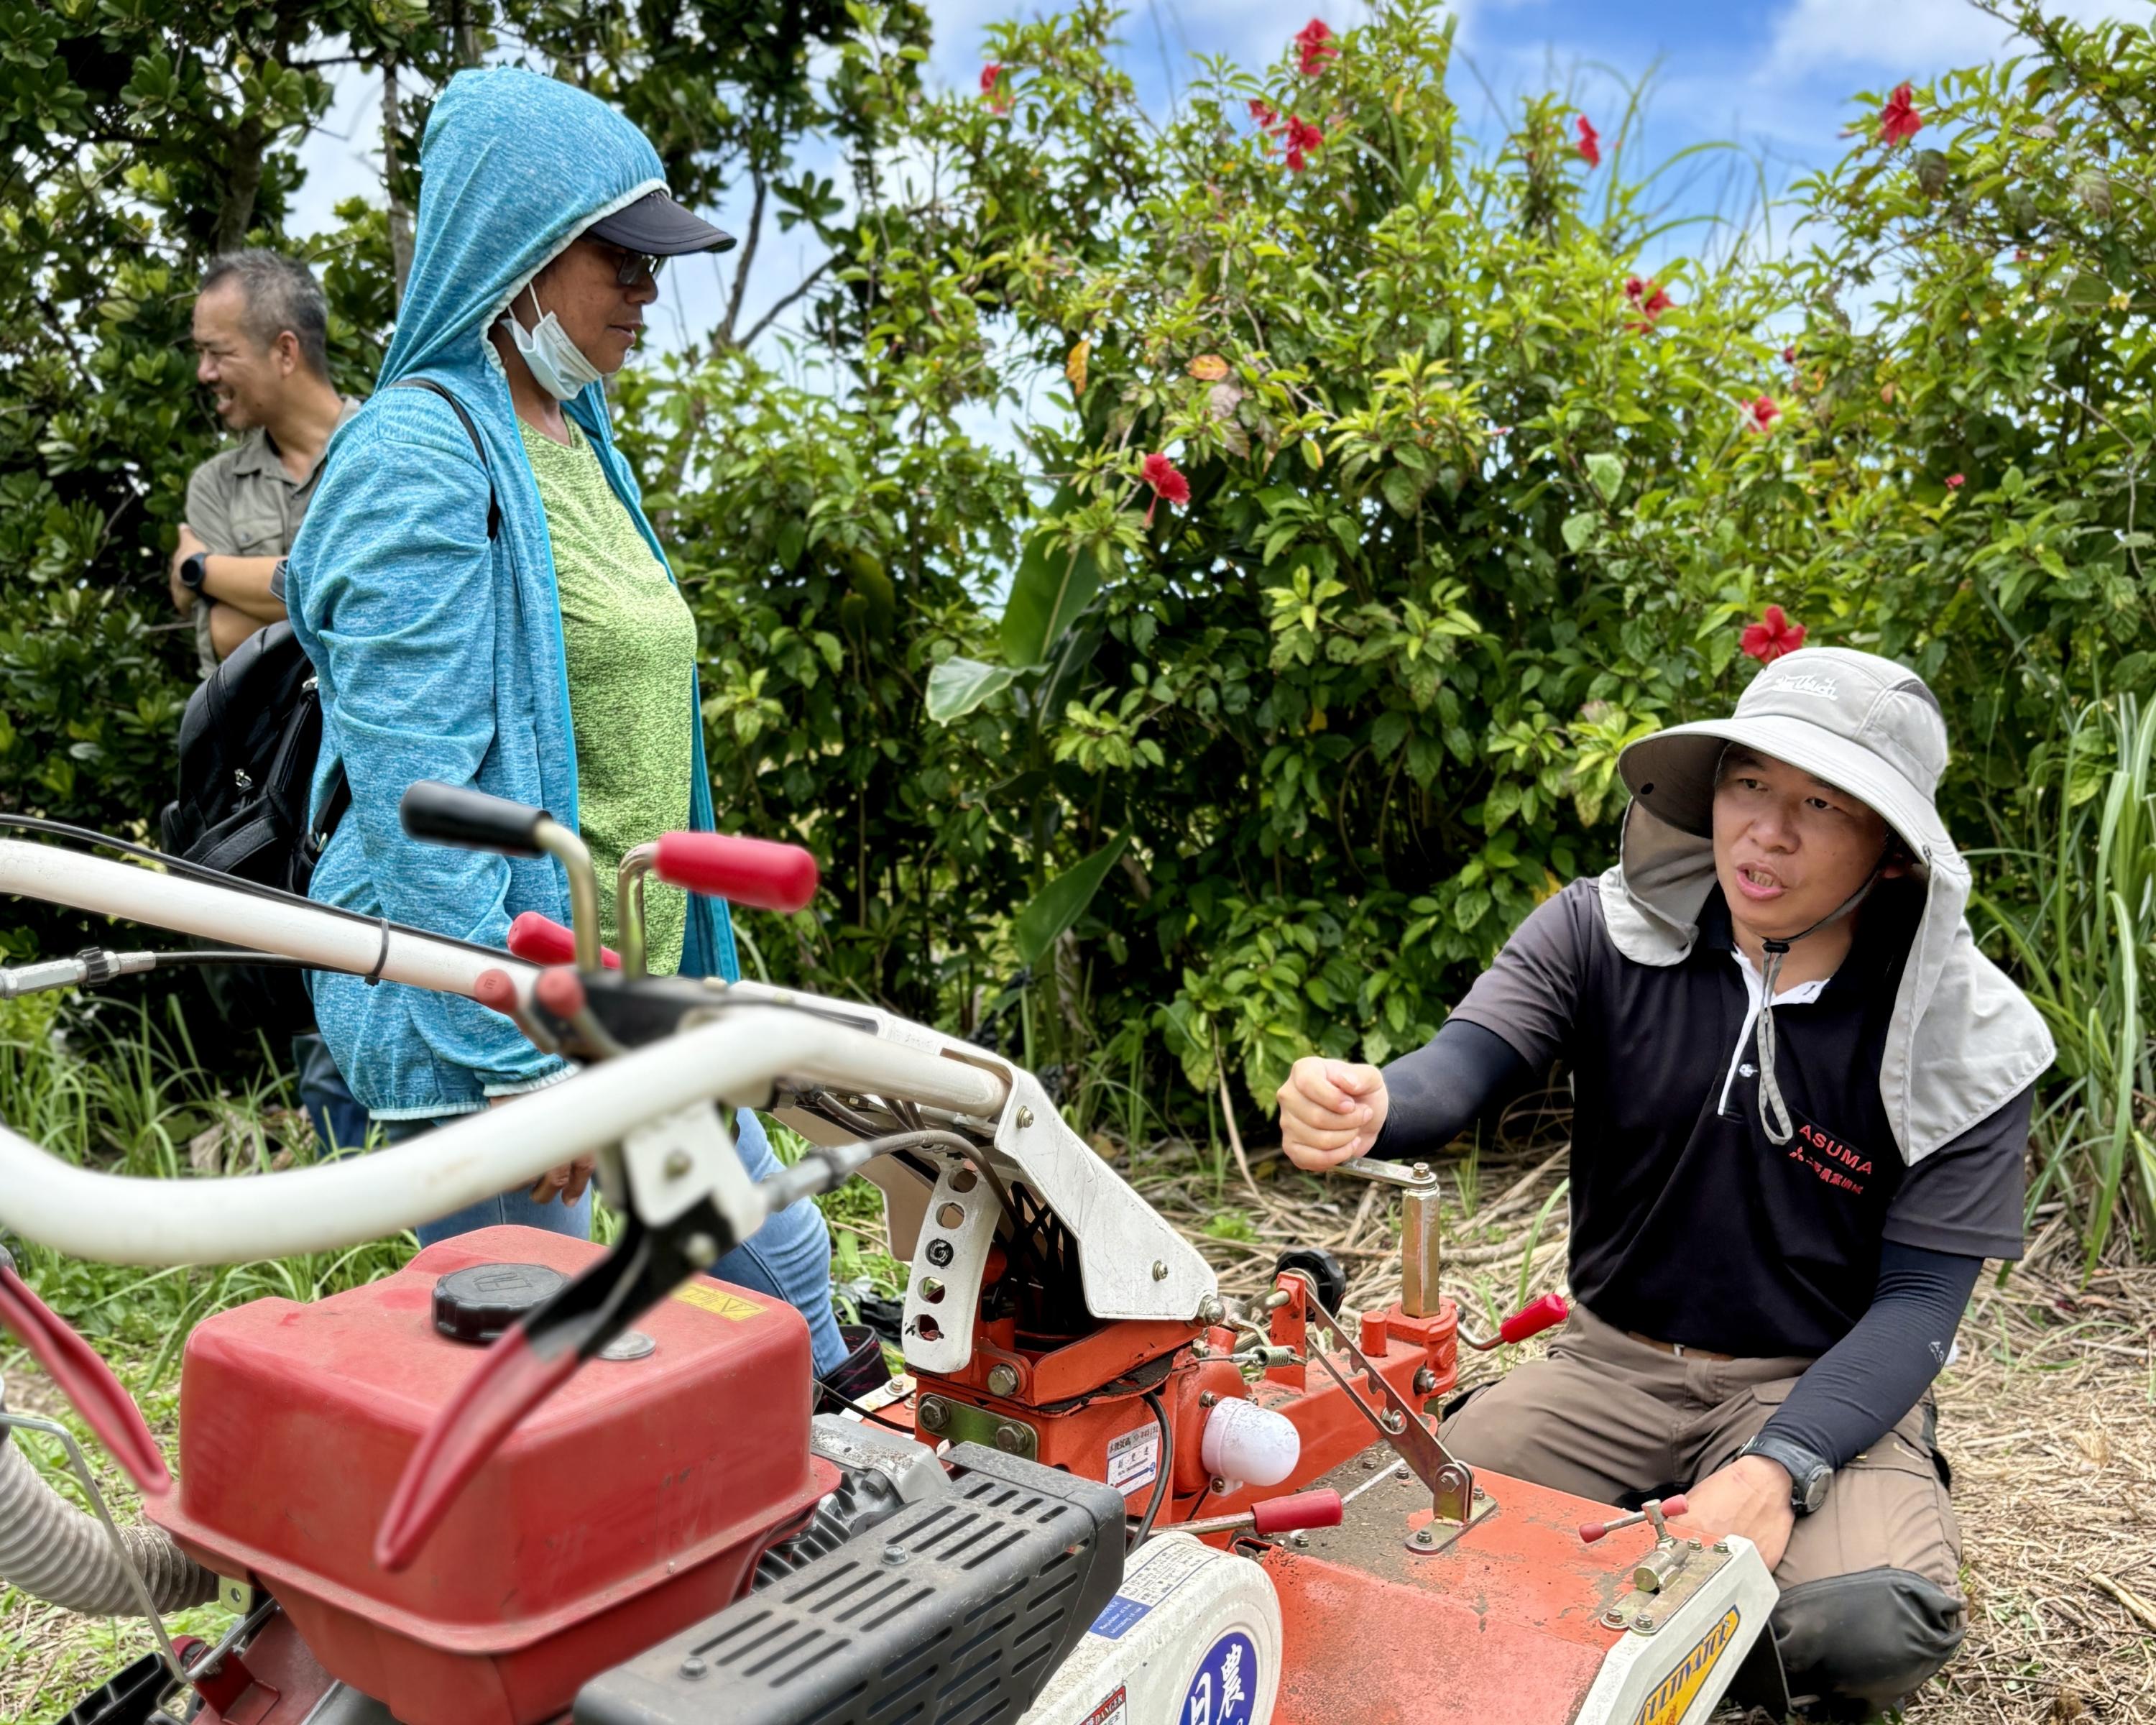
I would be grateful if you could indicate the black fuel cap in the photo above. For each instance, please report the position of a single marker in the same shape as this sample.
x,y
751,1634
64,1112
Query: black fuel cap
x,y
477,1304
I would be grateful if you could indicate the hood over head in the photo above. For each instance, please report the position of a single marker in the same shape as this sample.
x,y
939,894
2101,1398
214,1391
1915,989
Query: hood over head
x,y
514,166
1964,1040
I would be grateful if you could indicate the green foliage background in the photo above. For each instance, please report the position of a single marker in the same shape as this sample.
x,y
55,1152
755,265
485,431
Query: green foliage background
x,y
1161,795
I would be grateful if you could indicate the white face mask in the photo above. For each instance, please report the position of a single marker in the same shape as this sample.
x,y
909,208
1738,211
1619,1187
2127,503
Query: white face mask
x,y
557,364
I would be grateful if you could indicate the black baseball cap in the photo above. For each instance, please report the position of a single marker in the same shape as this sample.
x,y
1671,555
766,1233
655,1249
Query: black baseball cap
x,y
659,228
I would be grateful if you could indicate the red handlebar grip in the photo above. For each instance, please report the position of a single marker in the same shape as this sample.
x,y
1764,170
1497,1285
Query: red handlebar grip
x,y
541,940
1675,1506
1532,1318
754,872
1320,1508
1590,1532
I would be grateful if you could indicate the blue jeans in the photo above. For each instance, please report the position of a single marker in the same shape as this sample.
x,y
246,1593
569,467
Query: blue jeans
x,y
340,1122
788,1258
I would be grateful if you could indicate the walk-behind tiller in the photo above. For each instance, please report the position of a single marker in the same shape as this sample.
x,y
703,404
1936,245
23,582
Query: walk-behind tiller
x,y
527,1478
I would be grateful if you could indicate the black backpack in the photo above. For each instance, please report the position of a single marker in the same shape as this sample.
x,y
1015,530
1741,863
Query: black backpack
x,y
248,744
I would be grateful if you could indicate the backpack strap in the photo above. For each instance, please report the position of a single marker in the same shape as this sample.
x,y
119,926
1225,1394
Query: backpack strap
x,y
471,431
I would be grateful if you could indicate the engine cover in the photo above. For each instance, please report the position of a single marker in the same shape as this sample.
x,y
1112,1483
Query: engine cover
x,y
631,1503
954,1611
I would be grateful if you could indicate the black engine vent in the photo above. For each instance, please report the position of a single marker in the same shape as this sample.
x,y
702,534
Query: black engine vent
x,y
952,1612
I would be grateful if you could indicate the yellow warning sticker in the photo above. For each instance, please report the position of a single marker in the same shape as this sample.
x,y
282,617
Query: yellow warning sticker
x,y
1676,1692
707,1298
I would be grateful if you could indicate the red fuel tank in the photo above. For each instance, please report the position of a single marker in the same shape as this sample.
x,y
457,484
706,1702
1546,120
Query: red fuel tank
x,y
633,1502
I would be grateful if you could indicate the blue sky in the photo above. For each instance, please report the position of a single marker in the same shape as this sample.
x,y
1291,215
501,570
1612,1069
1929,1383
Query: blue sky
x,y
1775,75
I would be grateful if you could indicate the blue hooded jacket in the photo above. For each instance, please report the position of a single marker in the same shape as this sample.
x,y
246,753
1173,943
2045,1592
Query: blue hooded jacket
x,y
439,653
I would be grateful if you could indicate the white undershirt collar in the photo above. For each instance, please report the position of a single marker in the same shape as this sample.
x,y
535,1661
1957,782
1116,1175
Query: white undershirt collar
x,y
1796,994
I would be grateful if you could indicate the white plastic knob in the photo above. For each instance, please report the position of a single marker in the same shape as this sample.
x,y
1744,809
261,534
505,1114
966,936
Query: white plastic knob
x,y
1249,1444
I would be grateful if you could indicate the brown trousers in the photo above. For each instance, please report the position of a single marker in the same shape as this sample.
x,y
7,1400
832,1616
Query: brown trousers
x,y
1871,1602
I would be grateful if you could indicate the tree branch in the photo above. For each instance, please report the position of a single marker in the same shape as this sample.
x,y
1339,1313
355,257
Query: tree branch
x,y
748,258
807,281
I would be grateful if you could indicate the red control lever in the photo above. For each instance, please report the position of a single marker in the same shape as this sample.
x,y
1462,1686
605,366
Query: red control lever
x,y
541,940
1320,1508
1532,1319
1590,1532
754,872
86,1380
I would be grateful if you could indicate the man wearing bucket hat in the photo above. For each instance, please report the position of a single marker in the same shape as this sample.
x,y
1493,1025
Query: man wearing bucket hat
x,y
1802,1101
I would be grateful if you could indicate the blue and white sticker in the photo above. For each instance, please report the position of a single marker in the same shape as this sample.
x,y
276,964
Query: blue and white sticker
x,y
1224,1690
1163,1569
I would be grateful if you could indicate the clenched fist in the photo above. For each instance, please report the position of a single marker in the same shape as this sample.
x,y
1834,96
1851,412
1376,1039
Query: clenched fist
x,y
1331,1111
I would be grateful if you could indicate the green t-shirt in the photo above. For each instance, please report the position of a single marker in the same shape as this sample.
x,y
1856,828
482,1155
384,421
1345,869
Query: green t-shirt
x,y
631,647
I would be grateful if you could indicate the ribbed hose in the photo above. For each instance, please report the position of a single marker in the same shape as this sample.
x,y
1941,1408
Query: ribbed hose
x,y
56,1552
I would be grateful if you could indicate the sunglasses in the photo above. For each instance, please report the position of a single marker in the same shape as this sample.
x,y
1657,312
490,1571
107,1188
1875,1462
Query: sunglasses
x,y
635,266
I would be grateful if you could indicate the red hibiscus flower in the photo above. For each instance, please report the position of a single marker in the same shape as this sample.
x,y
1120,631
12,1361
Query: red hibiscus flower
x,y
1169,485
1650,300
1955,481
1265,113
1315,47
1590,142
1761,415
1899,120
1790,354
1301,136
1767,640
991,75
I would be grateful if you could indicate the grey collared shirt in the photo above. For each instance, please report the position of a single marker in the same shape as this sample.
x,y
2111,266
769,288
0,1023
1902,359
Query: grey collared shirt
x,y
242,503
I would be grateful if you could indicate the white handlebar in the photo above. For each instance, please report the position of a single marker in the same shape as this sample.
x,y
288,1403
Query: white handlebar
x,y
119,1219
243,919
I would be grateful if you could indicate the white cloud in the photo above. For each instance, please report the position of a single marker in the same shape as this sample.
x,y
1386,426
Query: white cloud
x,y
1915,37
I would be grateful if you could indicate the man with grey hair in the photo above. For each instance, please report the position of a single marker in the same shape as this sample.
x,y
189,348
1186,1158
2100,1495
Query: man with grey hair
x,y
261,330
261,348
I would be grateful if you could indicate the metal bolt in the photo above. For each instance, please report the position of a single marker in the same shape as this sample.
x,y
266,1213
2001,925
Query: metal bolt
x,y
933,1414
692,1667
1199,1350
1010,1439
1392,1421
1401,1472
1721,1546
1024,1117
1299,1539
1210,1310
1424,1536
1217,1487
1206,1398
678,1164
1159,1270
1645,1620
1002,1380
894,1552
1369,1463
1422,1171
1425,1381
700,1249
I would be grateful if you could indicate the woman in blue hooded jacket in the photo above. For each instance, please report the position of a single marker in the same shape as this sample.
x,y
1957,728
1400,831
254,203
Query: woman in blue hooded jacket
x,y
551,661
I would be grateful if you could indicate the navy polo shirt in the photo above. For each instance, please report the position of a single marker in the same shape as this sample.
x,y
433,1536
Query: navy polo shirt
x,y
1688,1223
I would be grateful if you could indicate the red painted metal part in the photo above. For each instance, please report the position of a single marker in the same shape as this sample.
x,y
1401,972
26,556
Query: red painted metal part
x,y
618,1513
86,1381
283,1681
1501,1626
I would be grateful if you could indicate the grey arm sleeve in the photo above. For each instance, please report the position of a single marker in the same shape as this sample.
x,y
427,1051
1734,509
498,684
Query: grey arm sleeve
x,y
1856,1390
1435,1093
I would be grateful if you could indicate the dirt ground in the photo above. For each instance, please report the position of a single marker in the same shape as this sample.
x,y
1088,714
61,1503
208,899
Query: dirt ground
x,y
2048,1415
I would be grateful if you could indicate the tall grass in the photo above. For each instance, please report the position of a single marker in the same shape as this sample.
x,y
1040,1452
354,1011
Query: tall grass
x,y
2074,914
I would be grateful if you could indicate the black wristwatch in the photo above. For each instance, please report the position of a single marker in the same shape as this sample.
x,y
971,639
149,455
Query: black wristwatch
x,y
193,569
1810,1475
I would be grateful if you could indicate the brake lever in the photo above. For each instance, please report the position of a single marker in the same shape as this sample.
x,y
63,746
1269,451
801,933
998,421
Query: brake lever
x,y
86,1381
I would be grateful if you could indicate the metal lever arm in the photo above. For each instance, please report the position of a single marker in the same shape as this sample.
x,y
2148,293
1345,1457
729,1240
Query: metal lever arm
x,y
1451,1481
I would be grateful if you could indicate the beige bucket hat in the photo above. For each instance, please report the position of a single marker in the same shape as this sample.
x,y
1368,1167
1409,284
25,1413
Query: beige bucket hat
x,y
1964,1040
